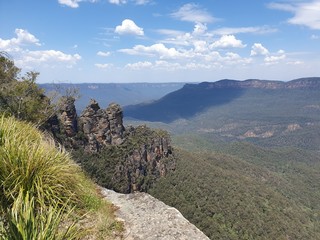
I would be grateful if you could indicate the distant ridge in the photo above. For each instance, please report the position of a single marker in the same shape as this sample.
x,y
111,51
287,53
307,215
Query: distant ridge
x,y
192,99
301,83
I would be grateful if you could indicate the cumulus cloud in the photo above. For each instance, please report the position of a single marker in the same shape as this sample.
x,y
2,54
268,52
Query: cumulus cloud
x,y
47,56
258,50
274,59
117,2
70,3
233,58
200,29
26,58
139,65
103,54
23,38
200,46
129,27
158,49
305,13
228,41
191,12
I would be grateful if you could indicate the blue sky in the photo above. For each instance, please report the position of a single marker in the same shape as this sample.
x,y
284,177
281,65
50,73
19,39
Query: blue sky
x,y
162,40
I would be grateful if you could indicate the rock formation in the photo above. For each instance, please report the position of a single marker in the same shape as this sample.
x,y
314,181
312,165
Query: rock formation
x,y
68,116
101,127
133,158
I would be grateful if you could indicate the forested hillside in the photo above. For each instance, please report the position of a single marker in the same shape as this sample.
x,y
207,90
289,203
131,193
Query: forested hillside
x,y
241,191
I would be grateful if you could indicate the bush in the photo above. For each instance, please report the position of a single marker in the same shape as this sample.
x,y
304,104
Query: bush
x,y
20,96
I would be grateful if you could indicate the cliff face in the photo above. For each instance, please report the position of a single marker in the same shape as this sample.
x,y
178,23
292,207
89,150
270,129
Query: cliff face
x,y
101,127
150,158
126,160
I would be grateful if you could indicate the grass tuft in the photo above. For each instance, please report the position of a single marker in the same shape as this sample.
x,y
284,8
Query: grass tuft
x,y
43,193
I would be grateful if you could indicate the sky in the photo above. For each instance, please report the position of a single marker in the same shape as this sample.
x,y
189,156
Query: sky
x,y
124,41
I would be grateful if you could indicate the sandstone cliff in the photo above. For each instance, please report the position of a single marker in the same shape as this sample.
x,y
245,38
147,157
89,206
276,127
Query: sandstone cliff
x,y
126,160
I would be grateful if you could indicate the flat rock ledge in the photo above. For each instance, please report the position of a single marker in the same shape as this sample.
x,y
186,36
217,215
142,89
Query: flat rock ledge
x,y
145,217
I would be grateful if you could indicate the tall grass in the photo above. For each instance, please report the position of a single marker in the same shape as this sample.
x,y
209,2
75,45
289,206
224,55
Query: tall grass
x,y
32,163
43,194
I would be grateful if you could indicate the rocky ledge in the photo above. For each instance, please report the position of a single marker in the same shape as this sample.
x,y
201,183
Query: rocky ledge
x,y
147,218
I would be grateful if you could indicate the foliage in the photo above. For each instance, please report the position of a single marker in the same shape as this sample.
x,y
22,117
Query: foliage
x,y
241,191
21,97
25,223
102,167
42,191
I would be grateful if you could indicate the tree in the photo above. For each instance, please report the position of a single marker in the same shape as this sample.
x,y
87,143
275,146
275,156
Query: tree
x,y
21,97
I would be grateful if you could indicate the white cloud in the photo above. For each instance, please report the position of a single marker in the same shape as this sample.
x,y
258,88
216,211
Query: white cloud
x,y
228,41
139,65
234,58
305,13
200,29
200,46
46,56
103,54
26,58
74,3
274,59
258,50
158,49
70,3
23,38
129,27
191,12
117,2
103,65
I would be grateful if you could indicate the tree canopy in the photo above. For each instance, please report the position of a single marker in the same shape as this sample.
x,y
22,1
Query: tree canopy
x,y
20,96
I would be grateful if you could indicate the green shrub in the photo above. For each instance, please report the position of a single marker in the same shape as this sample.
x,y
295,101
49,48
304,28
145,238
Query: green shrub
x,y
43,194
32,163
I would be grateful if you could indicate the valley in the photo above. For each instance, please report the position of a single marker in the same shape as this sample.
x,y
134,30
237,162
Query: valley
x,y
246,155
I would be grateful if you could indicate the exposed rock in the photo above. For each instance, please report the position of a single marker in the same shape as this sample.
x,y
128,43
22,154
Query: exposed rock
x,y
68,116
293,127
115,117
147,218
101,127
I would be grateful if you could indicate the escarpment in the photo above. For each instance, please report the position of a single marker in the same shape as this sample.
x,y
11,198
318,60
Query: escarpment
x,y
123,159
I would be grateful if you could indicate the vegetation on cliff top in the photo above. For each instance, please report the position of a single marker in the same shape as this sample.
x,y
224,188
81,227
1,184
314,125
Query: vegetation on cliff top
x,y
43,193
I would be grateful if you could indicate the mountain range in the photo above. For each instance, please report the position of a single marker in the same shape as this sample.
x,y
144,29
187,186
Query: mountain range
x,y
105,93
193,99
